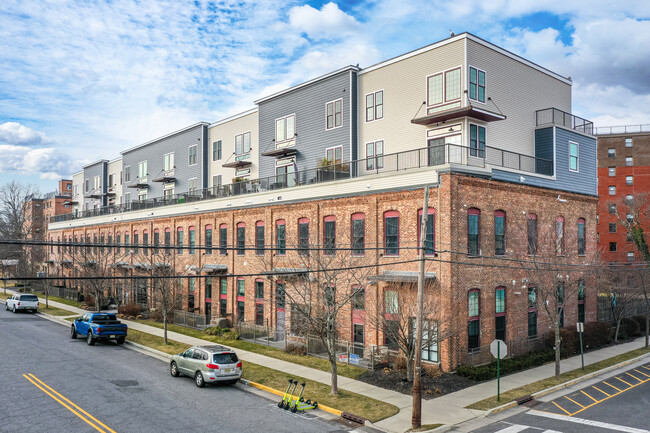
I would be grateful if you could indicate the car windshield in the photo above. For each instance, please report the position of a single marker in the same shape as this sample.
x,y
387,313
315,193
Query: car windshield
x,y
28,298
103,317
224,358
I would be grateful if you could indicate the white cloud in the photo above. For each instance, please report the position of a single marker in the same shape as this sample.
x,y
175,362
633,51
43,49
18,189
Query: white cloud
x,y
15,133
47,162
328,23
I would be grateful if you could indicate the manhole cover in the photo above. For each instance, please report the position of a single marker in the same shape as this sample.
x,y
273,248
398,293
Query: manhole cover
x,y
124,383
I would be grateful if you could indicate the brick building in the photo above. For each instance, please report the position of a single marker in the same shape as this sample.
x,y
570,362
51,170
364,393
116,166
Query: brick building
x,y
623,174
343,163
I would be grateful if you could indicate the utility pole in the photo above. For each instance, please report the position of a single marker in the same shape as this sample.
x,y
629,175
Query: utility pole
x,y
416,419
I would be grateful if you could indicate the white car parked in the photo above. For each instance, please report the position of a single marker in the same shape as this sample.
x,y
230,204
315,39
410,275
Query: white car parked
x,y
21,301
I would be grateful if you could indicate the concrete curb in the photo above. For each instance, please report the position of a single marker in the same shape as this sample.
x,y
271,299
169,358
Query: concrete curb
x,y
569,383
281,393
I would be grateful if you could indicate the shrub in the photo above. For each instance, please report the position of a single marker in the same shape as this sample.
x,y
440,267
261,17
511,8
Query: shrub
x,y
296,349
225,333
596,334
508,365
129,309
569,342
640,319
629,328
90,301
400,363
432,370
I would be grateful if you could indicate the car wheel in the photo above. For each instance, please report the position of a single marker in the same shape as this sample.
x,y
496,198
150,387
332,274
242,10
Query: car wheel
x,y
198,378
73,332
89,339
120,340
173,369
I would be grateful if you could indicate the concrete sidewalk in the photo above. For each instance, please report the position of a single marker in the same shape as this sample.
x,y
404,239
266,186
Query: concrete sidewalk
x,y
448,409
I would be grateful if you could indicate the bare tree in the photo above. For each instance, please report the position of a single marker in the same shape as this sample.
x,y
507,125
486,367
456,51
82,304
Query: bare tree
x,y
95,262
618,286
633,214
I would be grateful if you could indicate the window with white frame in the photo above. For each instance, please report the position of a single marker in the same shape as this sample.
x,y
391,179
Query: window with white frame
x,y
242,143
168,190
334,114
97,182
216,181
573,156
629,161
127,173
629,180
628,142
168,161
127,197
476,84
216,150
611,153
285,130
611,171
375,106
443,87
142,194
142,170
193,152
375,155
612,190
334,155
193,185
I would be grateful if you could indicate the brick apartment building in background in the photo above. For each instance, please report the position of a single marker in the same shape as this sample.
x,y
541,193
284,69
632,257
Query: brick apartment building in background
x,y
623,176
340,162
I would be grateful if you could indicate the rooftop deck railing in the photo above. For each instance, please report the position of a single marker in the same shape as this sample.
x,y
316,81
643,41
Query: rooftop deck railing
x,y
395,162
554,116
623,129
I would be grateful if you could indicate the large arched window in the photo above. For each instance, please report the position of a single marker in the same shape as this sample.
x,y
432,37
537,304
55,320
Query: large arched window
x,y
391,233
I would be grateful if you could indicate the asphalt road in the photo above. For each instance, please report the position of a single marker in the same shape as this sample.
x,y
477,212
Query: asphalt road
x,y
118,390
618,403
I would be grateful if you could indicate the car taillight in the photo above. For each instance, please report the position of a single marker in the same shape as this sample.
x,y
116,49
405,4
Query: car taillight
x,y
239,365
19,304
212,366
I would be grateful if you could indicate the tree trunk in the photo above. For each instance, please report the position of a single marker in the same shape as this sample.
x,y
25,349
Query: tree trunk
x,y
332,354
647,328
165,325
618,326
409,367
556,325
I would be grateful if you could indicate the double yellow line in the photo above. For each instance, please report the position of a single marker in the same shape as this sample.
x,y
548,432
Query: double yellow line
x,y
95,423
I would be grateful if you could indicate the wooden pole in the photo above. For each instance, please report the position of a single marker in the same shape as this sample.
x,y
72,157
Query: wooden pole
x,y
416,420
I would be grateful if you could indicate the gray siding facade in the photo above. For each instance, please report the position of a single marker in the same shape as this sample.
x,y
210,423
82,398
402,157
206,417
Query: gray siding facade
x,y
98,168
154,152
308,103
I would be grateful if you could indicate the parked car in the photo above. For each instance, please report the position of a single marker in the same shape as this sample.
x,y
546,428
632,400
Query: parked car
x,y
22,301
99,326
207,364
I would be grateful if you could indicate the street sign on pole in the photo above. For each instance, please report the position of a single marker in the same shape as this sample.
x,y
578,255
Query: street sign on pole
x,y
581,328
499,349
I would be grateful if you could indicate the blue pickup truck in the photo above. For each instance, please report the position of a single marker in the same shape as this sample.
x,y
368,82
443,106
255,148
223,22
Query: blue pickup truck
x,y
99,326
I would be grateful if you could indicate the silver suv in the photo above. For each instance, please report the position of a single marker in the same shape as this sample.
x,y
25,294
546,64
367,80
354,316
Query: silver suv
x,y
207,364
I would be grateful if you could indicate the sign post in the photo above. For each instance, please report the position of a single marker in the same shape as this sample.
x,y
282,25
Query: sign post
x,y
499,353
581,328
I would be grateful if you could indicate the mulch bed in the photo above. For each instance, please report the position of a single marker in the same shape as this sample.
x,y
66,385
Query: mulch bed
x,y
394,380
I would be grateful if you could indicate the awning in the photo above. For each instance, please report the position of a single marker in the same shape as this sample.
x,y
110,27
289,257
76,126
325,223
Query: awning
x,y
288,272
161,265
137,183
281,152
454,113
213,269
89,263
66,262
165,176
70,202
401,277
119,265
143,266
238,164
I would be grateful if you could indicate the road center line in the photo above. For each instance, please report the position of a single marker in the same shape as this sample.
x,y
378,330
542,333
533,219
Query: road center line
x,y
63,401
603,425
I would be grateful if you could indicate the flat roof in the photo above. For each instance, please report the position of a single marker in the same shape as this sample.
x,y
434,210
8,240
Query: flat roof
x,y
164,136
95,163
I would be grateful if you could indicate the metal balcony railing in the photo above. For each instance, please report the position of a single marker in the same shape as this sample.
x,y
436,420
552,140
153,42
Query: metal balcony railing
x,y
553,116
623,129
395,162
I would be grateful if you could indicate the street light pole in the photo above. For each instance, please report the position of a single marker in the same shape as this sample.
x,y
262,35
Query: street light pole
x,y
416,419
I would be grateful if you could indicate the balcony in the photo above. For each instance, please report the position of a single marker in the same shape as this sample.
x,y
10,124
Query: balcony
x,y
624,129
454,113
166,176
447,155
138,182
553,116
94,193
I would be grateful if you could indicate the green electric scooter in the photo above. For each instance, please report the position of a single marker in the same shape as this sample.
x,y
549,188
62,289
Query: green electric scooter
x,y
300,403
288,394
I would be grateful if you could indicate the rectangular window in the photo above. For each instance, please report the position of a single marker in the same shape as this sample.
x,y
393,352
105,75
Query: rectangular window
x,y
375,155
628,142
142,171
374,106
476,84
629,161
573,156
612,190
281,238
477,140
581,301
223,307
179,241
630,257
127,173
499,233
216,182
259,289
329,235
559,236
532,234
532,324
473,220
243,143
285,129
241,287
208,289
156,241
612,227
612,208
223,240
241,239
334,114
208,240
334,155
240,311
259,238
582,241
192,239
611,171
303,237
358,234
500,311
193,185
216,150
391,301
435,89
611,153
168,241
358,299
168,161
629,180
280,293
259,314
391,234
429,238
612,247
193,151
136,242
473,311
452,85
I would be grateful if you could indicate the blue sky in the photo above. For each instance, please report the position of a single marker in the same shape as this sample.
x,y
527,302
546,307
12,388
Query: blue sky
x,y
83,80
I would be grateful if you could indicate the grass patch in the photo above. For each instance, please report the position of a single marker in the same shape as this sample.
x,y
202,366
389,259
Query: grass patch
x,y
308,361
360,405
53,311
61,300
3,296
490,403
366,407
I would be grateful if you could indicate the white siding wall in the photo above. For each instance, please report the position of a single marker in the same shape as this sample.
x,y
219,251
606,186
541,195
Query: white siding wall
x,y
226,132
115,169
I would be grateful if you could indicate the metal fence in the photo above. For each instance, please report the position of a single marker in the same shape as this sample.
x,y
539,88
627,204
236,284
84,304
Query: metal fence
x,y
553,116
412,159
623,129
262,335
482,354
188,319
634,307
